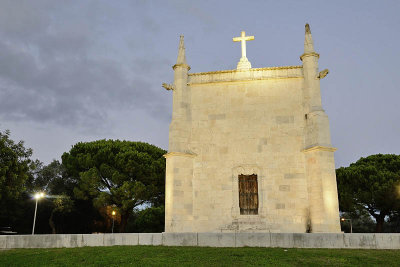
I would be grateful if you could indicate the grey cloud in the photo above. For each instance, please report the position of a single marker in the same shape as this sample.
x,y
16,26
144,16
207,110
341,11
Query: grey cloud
x,y
52,71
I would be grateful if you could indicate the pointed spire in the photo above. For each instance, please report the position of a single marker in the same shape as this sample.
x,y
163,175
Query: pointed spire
x,y
308,41
181,60
181,52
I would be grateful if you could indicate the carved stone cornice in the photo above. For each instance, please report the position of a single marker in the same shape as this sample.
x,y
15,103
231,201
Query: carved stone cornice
x,y
179,154
243,80
253,69
181,65
320,148
312,54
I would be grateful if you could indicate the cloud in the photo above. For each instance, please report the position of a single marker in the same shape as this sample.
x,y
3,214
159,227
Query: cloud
x,y
58,66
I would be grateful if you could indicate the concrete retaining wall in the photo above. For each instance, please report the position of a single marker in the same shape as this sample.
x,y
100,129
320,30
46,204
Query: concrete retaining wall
x,y
284,240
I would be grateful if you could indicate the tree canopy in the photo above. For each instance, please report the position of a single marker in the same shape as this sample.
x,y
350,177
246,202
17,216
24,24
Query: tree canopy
x,y
371,184
117,173
14,166
53,180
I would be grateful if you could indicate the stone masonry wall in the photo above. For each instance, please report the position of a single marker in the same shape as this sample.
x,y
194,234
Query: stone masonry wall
x,y
245,122
283,240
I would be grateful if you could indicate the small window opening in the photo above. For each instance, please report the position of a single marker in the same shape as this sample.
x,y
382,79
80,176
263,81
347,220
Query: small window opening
x,y
248,194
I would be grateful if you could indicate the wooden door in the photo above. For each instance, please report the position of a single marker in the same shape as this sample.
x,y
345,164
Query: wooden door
x,y
248,194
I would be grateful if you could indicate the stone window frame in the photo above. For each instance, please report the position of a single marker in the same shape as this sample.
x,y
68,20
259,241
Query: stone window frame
x,y
247,169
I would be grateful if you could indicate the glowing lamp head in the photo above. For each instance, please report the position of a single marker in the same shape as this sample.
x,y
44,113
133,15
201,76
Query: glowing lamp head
x,y
39,195
113,213
342,219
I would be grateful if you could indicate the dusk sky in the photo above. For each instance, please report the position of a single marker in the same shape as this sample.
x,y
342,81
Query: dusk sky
x,y
85,70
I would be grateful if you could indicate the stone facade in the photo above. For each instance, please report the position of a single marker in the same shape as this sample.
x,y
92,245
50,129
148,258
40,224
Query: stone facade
x,y
263,121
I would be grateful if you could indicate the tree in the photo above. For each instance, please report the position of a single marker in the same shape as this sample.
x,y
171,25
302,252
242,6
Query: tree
x,y
361,222
51,179
150,220
393,224
121,173
15,167
371,184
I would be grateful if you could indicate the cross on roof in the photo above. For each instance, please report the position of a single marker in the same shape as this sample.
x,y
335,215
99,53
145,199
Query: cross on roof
x,y
243,38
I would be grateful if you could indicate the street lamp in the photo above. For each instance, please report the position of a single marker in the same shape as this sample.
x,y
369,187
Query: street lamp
x,y
37,196
113,216
351,225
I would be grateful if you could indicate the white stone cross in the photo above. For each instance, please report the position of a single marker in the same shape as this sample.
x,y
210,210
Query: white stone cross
x,y
243,38
244,63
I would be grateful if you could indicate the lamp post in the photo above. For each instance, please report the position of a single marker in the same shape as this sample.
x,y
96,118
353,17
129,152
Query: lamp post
x,y
351,225
37,197
113,216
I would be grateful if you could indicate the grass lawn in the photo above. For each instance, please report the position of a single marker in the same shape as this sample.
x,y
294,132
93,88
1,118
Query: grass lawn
x,y
199,256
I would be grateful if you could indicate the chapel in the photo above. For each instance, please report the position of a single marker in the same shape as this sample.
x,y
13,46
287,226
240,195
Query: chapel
x,y
250,149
